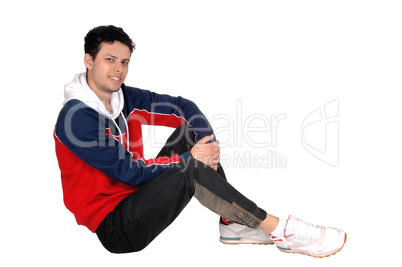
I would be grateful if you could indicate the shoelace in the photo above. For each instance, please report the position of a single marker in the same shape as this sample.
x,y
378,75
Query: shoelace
x,y
307,231
281,238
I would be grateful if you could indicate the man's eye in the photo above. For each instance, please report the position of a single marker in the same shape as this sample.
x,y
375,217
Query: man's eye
x,y
109,59
125,62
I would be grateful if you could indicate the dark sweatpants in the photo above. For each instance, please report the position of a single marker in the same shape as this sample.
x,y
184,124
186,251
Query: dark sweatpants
x,y
144,214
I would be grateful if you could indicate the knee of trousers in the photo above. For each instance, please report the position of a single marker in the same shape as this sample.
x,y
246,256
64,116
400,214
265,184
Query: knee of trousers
x,y
215,193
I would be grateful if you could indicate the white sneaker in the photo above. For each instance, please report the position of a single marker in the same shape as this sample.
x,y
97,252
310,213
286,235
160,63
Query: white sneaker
x,y
308,239
233,233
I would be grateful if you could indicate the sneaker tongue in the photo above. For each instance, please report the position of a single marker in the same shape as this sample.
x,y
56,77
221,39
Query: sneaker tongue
x,y
292,225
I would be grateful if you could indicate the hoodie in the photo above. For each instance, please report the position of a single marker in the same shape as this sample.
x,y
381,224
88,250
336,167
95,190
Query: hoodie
x,y
101,155
79,89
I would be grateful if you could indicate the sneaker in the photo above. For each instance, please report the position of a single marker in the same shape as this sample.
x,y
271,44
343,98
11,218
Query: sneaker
x,y
234,234
308,239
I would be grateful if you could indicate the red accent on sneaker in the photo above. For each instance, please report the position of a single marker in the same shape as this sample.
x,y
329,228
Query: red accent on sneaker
x,y
226,222
287,236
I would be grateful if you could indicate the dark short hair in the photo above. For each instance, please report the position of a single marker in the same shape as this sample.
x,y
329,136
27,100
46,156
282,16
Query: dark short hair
x,y
108,34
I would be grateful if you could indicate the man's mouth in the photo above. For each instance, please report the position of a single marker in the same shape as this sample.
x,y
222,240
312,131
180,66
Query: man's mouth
x,y
115,78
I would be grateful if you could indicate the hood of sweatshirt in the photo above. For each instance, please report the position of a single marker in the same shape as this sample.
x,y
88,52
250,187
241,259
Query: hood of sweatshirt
x,y
78,89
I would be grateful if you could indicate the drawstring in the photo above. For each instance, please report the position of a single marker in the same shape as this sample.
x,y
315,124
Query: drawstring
x,y
121,135
128,136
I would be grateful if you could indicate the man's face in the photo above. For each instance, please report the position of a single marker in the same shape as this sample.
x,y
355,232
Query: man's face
x,y
108,70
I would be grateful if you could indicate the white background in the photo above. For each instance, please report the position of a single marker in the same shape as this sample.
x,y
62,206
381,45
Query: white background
x,y
277,57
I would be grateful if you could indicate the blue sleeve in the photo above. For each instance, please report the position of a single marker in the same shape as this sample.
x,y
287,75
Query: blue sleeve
x,y
81,130
166,104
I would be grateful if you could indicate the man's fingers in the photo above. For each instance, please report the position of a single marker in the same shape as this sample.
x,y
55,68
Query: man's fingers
x,y
215,161
208,154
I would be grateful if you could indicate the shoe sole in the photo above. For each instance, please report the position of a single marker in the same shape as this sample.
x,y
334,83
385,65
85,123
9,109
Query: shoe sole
x,y
240,242
333,253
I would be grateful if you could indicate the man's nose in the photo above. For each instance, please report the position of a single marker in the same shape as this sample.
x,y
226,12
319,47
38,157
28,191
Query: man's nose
x,y
118,67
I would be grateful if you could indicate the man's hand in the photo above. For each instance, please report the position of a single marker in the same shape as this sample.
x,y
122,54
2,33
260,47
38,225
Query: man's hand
x,y
207,153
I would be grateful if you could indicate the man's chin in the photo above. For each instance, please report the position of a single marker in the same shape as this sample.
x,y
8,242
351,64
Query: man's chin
x,y
114,89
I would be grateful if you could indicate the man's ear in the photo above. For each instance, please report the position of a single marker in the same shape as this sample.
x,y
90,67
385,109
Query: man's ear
x,y
88,61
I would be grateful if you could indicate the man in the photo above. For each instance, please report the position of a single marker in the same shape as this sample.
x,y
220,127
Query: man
x,y
128,200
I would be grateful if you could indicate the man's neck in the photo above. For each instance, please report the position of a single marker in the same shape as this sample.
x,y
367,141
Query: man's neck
x,y
108,106
103,96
